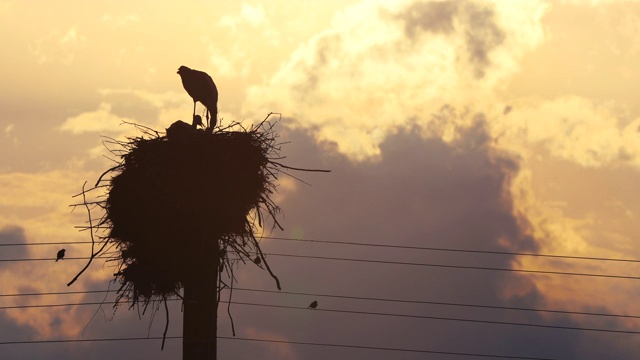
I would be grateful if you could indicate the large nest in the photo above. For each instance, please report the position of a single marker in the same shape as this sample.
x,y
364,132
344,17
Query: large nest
x,y
178,194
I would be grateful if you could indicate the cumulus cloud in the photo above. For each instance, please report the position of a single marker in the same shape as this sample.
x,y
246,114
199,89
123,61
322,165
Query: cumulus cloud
x,y
419,192
383,64
253,14
100,120
238,60
57,46
12,234
575,129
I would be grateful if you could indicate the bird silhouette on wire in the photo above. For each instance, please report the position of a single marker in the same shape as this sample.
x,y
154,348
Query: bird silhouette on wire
x,y
60,254
313,305
200,87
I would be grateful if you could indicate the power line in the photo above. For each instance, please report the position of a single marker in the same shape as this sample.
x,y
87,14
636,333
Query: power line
x,y
47,243
350,346
53,259
404,301
493,322
548,272
67,304
427,248
425,302
407,247
379,348
466,267
397,315
58,293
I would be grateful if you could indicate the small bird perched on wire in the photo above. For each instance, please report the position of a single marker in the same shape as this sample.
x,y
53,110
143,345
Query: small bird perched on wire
x,y
313,305
60,254
201,87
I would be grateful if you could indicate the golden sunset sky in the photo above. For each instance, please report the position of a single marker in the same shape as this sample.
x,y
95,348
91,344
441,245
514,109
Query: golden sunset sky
x,y
480,125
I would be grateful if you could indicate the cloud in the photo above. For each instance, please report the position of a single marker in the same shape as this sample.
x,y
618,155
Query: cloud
x,y
237,59
12,234
9,134
482,35
57,46
575,129
101,120
419,192
253,14
70,37
119,21
383,66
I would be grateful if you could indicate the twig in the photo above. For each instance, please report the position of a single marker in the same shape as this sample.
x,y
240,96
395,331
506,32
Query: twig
x,y
166,326
93,241
233,329
266,264
299,169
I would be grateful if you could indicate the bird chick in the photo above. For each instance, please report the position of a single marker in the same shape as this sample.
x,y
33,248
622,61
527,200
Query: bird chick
x,y
201,87
197,120
60,254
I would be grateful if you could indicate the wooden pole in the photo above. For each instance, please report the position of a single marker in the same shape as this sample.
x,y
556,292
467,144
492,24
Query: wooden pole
x,y
200,319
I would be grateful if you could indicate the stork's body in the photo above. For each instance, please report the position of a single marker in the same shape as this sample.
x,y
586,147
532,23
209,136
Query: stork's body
x,y
200,87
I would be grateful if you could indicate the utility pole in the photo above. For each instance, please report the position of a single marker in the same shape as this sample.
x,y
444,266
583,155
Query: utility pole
x,y
200,318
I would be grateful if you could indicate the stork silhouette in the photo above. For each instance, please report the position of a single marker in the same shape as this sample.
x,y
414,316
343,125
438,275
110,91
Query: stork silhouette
x,y
201,87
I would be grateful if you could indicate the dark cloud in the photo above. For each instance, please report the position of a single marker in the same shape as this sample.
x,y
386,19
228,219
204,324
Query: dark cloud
x,y
429,16
482,36
12,234
420,193
481,33
132,106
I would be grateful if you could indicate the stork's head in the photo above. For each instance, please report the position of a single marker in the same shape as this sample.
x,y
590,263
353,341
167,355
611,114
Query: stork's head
x,y
182,69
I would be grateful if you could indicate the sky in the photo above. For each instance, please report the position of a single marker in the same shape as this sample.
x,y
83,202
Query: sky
x,y
491,126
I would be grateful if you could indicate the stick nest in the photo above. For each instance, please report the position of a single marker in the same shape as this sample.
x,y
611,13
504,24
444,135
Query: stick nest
x,y
174,195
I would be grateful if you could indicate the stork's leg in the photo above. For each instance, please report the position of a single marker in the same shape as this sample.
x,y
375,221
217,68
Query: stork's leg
x,y
214,118
194,112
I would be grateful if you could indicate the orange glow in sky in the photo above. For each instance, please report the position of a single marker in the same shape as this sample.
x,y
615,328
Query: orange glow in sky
x,y
537,100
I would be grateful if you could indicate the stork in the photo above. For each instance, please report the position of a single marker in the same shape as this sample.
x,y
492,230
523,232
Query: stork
x,y
201,87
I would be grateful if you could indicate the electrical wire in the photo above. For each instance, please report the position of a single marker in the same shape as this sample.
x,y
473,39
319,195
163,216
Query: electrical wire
x,y
349,346
402,301
406,247
493,322
374,313
428,248
545,272
443,303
